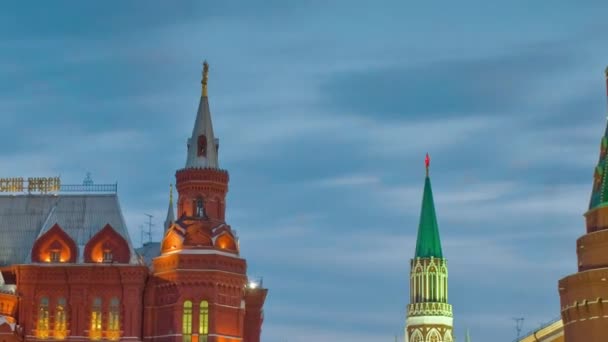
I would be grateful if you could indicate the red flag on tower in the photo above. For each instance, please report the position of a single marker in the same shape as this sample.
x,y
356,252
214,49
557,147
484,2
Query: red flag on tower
x,y
427,160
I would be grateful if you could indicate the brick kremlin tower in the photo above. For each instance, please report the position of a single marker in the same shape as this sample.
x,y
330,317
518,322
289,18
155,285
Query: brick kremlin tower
x,y
584,295
429,316
199,291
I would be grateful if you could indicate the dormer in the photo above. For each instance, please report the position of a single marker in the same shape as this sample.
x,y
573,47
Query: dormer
x,y
226,241
173,240
107,246
54,246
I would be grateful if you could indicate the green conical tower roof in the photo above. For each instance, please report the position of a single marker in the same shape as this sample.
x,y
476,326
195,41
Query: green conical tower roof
x,y
428,243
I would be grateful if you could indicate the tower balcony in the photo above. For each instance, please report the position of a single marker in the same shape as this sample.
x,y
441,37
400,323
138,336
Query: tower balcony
x,y
429,309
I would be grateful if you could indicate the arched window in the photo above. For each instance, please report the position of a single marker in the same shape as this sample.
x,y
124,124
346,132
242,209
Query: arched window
x,y
433,336
200,208
203,321
187,322
419,285
417,336
433,284
42,327
114,320
95,331
60,319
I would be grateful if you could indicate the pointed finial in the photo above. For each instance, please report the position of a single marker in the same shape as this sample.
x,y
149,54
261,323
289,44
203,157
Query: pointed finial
x,y
427,163
606,72
205,77
171,193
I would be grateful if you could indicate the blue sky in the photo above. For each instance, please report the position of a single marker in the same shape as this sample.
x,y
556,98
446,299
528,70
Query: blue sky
x,y
325,110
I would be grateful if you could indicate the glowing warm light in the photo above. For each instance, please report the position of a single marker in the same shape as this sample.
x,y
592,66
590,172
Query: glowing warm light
x,y
253,285
99,259
48,259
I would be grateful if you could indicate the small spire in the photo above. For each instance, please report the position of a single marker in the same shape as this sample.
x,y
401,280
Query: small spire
x,y
427,163
467,337
205,77
202,145
170,215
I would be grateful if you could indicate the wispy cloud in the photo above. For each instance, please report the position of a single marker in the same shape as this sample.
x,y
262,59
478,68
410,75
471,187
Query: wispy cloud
x,y
348,181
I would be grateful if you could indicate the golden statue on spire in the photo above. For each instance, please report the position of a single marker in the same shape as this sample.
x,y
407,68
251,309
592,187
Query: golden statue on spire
x,y
205,77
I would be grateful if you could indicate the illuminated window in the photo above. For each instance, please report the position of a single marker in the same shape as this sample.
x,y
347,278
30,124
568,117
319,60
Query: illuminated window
x,y
187,322
203,321
95,330
60,320
55,256
114,320
107,255
42,328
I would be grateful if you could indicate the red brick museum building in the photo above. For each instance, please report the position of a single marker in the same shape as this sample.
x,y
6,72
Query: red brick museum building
x,y
70,272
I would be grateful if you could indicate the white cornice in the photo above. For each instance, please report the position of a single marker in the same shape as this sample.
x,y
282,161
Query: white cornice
x,y
429,320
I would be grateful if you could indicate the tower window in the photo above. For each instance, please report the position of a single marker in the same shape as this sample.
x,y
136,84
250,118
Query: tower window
x,y
200,208
202,146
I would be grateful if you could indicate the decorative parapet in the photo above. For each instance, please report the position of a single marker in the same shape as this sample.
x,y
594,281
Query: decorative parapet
x,y
429,309
202,173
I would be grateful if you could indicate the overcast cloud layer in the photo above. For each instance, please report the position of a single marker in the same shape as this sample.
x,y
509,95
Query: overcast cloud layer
x,y
325,110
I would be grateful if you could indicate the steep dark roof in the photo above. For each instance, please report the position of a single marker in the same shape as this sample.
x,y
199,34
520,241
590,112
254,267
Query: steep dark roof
x,y
24,218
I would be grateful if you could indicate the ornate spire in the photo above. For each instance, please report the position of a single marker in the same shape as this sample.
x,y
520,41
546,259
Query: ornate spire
x,y
599,192
170,215
428,243
202,145
467,336
205,78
